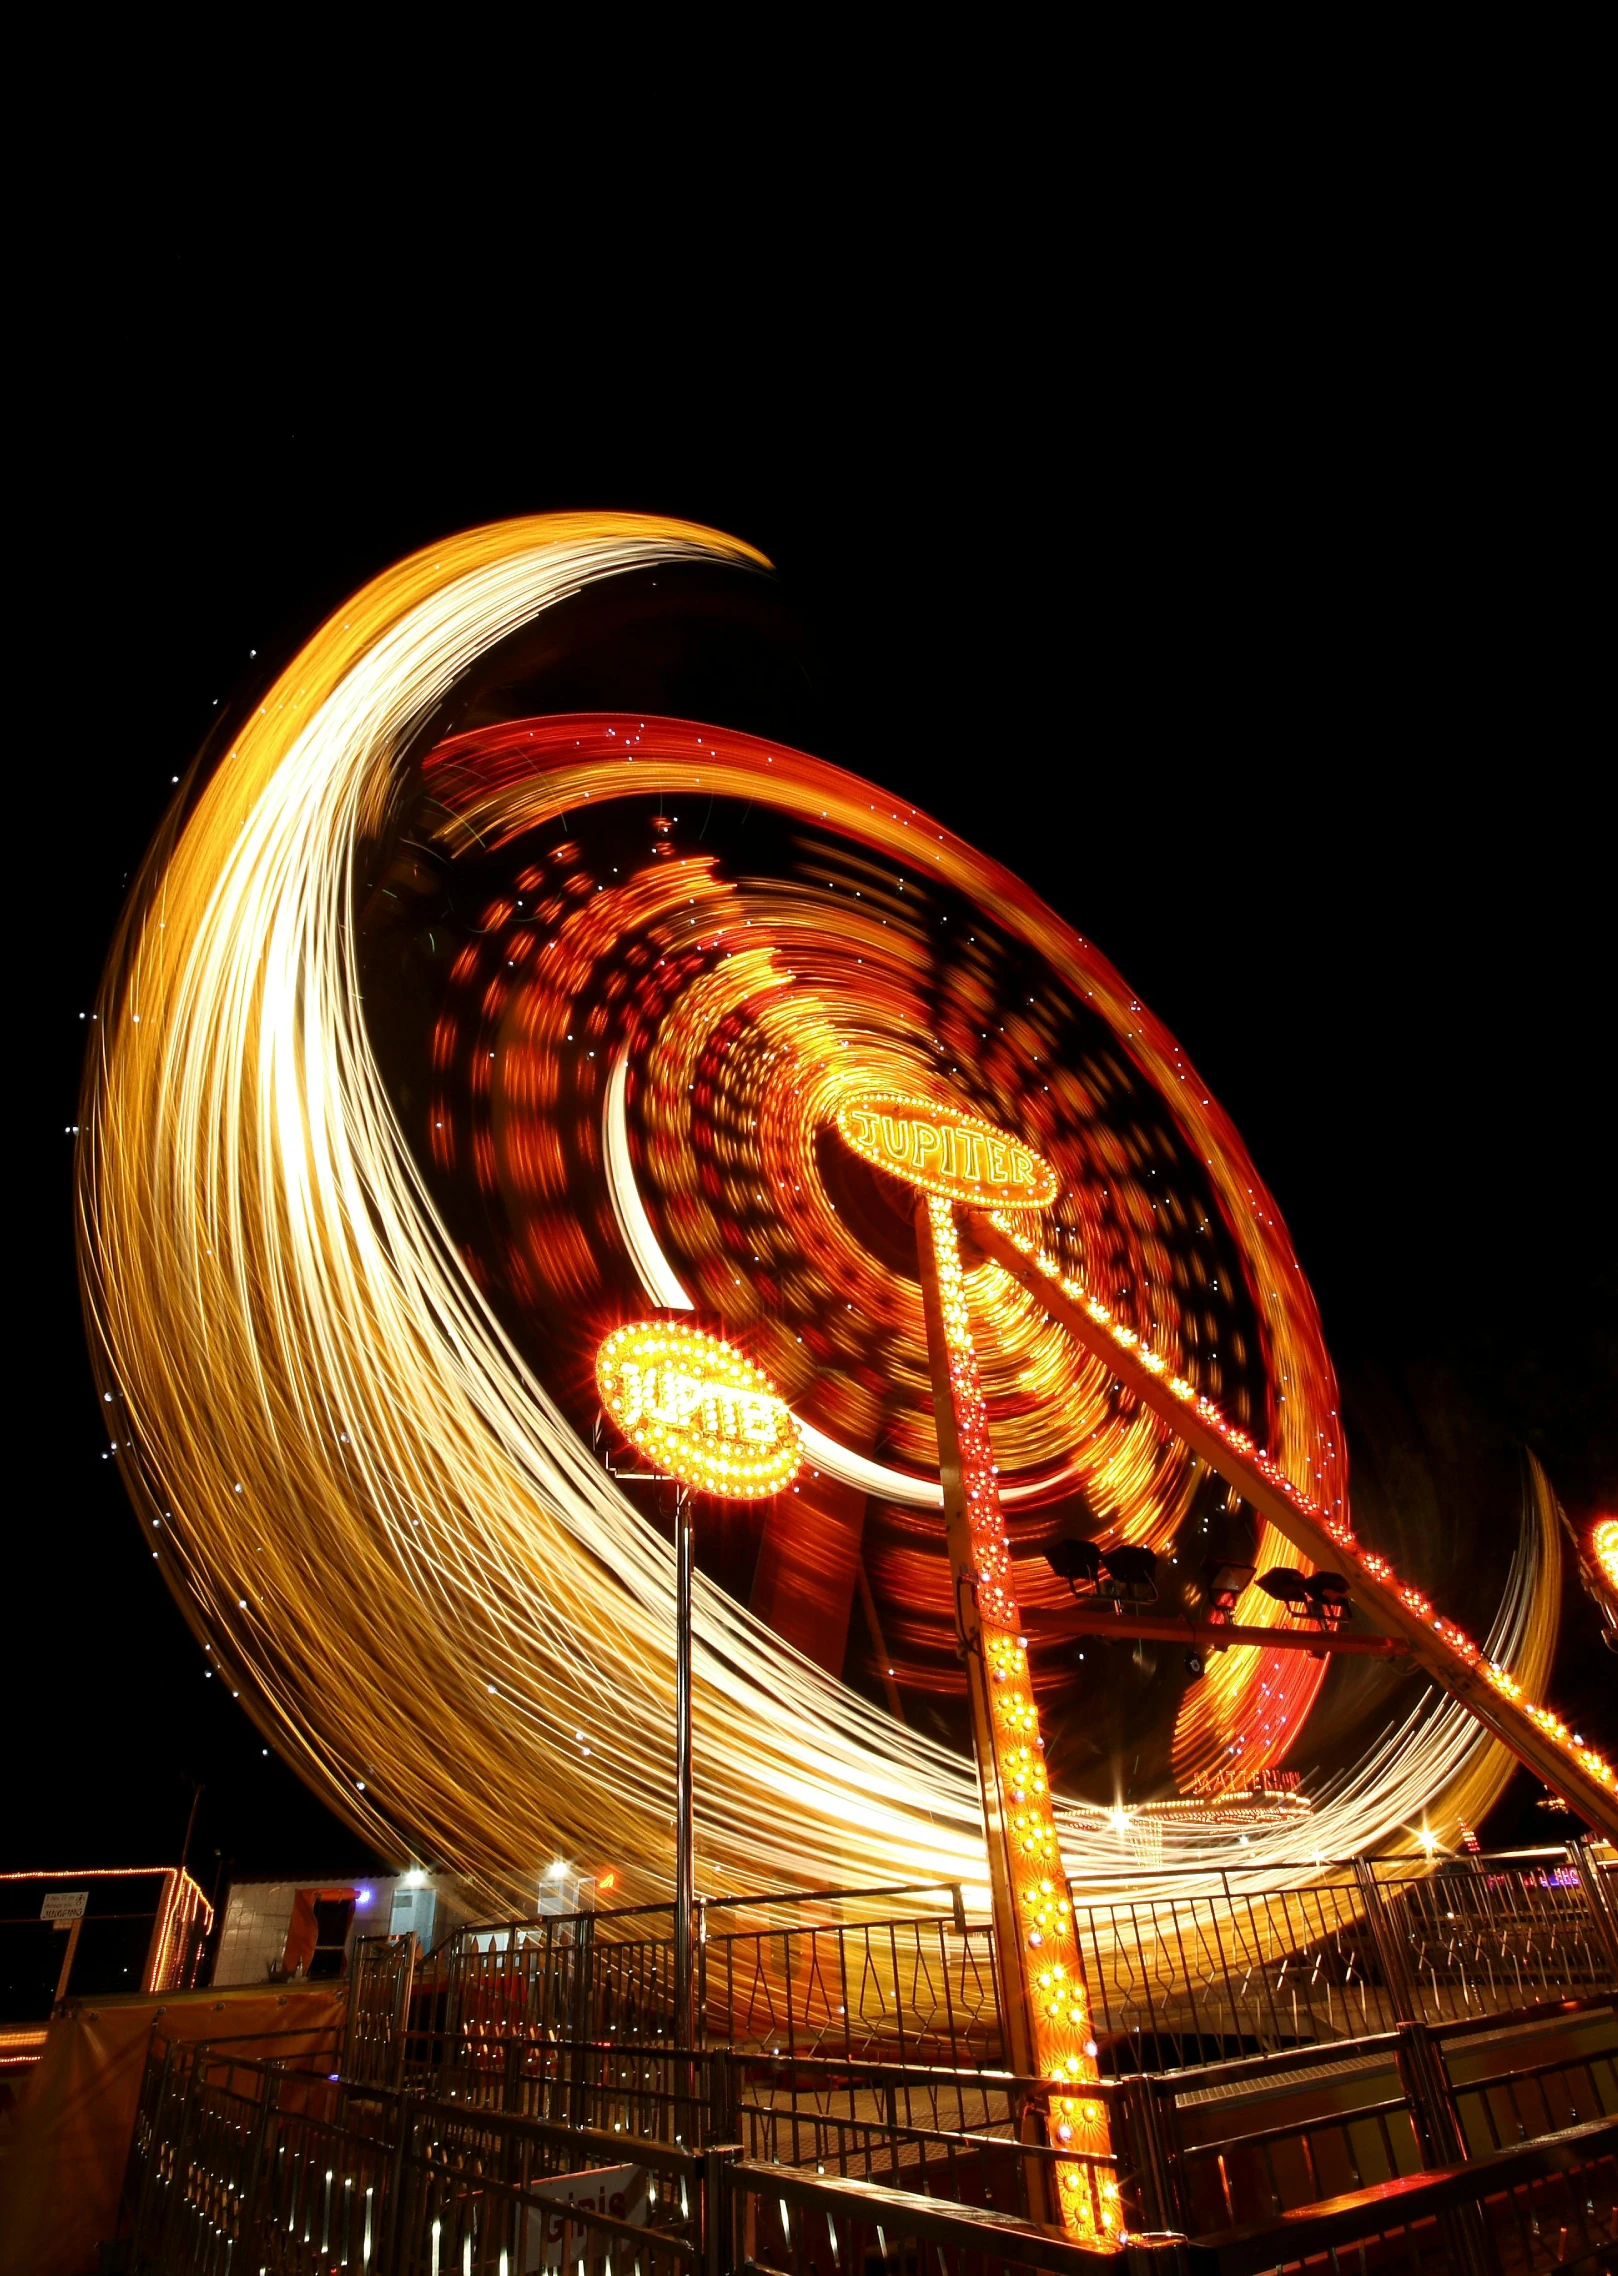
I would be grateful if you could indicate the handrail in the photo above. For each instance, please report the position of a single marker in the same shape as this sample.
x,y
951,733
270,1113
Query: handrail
x,y
1424,1867
1316,2229
646,2151
533,1922
900,2130
970,2226
1291,2128
824,1896
1307,2057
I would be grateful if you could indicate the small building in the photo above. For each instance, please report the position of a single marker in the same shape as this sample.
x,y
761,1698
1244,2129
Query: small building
x,y
277,1929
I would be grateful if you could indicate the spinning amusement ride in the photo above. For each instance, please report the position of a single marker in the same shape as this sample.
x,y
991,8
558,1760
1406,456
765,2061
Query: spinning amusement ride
x,y
497,1117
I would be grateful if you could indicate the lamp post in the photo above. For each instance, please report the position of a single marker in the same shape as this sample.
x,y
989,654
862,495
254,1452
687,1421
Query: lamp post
x,y
704,1416
684,1818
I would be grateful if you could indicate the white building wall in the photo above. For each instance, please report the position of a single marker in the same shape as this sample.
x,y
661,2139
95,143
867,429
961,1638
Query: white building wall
x,y
258,1916
253,1937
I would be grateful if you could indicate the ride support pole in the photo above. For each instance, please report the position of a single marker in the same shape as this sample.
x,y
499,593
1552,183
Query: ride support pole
x,y
1044,2003
684,1837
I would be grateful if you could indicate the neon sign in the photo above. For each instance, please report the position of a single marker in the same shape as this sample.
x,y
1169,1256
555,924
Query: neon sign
x,y
698,1410
957,1156
1604,1549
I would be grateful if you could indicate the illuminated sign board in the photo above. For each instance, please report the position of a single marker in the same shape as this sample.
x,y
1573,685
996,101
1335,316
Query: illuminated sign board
x,y
698,1410
944,1151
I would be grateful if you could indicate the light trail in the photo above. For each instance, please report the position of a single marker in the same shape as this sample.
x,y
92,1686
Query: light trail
x,y
382,1525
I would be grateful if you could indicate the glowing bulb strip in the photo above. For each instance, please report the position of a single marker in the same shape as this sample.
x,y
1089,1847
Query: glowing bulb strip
x,y
945,1151
1575,1770
1039,1954
1604,1550
699,1410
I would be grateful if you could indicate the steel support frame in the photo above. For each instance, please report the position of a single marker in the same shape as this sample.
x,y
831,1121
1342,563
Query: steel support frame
x,y
1498,1714
1036,1936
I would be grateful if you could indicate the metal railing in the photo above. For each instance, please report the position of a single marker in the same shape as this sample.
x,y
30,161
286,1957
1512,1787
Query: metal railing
x,y
1255,1962
1549,2206
246,2161
732,2159
1260,2138
896,1974
773,2221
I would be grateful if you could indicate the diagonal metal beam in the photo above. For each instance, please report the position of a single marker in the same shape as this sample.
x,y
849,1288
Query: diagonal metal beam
x,y
1569,1769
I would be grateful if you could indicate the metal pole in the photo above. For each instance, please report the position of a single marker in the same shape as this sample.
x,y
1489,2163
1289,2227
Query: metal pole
x,y
190,1823
1039,1964
684,1830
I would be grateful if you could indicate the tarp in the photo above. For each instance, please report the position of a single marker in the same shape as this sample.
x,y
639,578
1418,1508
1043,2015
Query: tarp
x,y
64,2162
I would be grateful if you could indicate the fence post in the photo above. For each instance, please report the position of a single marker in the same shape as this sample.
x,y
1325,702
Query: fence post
x,y
401,2018
1603,1925
699,2021
1152,2151
248,2214
392,2249
1385,1943
580,2015
1442,2142
718,2243
1426,2089
723,2123
149,2168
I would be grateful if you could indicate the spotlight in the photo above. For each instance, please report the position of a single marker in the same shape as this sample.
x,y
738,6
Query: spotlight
x,y
1224,1584
1076,1561
1288,1586
1129,1575
1328,1599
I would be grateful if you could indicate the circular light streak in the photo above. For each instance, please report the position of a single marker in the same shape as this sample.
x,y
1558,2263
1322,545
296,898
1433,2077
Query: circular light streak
x,y
1604,1550
699,1410
382,1517
945,1151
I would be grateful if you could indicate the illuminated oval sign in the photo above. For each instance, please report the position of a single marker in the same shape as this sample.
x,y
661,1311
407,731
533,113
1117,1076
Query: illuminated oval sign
x,y
698,1410
944,1151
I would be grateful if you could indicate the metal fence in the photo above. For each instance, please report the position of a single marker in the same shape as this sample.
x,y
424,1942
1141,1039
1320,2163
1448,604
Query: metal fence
x,y
242,2161
1244,1962
1212,1968
1261,2138
893,1974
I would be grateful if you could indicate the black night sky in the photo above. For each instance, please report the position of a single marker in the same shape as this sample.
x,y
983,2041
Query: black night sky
x,y
1279,685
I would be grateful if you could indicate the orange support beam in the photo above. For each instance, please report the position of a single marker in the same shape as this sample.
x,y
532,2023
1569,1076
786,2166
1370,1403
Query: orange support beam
x,y
1049,2030
1538,1737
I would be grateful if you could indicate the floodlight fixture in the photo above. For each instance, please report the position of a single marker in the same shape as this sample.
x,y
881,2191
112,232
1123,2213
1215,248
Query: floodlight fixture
x,y
1076,1561
1223,1582
1329,1599
1129,1575
1289,1587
